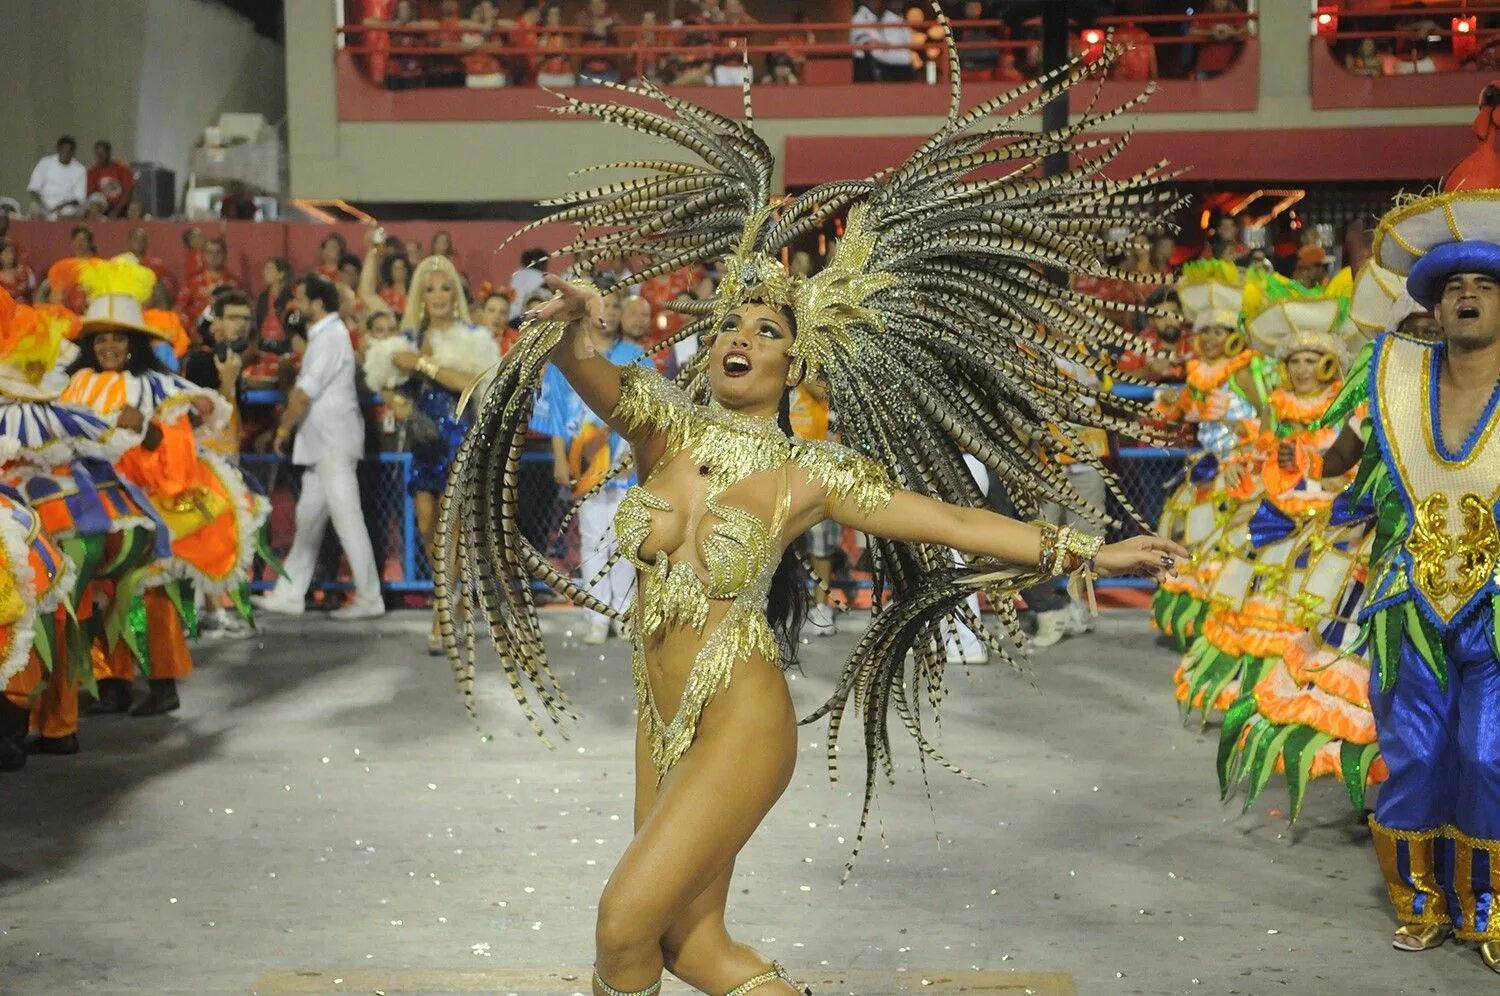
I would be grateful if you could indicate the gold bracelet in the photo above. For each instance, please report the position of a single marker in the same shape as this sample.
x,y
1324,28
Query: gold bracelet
x,y
427,368
1076,549
1049,547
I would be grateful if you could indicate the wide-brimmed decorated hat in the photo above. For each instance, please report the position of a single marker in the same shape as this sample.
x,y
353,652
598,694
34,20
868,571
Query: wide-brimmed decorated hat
x,y
1379,301
118,289
32,340
1210,291
1284,318
1430,239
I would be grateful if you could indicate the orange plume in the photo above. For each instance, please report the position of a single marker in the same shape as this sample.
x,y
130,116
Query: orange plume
x,y
169,325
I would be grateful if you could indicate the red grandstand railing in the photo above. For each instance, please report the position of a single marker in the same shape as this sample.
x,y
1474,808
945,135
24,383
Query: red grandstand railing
x,y
1432,67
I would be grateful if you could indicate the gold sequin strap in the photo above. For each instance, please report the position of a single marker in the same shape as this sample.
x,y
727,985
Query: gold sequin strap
x,y
846,474
610,990
647,402
776,973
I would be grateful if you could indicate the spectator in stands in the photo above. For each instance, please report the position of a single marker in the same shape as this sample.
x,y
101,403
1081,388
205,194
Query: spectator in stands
x,y
635,321
1415,61
403,70
1138,62
493,314
793,44
555,70
1221,33
528,279
978,64
192,253
1312,266
1367,60
1227,242
111,179
229,339
323,410
139,247
238,204
1163,252
893,62
331,251
729,65
16,279
412,248
864,35
645,64
599,20
5,233
198,293
447,70
1167,358
384,276
780,71
62,283
273,308
349,267
523,33
442,245
59,182
483,70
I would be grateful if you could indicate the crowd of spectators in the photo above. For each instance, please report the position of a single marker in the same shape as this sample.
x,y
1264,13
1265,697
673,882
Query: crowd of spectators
x,y
1414,43
409,43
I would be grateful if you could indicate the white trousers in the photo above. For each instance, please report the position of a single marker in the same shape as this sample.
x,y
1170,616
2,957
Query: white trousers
x,y
330,490
596,541
961,640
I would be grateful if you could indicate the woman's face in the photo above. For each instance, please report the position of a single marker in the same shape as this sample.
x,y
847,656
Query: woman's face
x,y
400,273
748,362
270,274
495,314
438,294
112,350
331,251
82,244
442,244
1210,342
1302,371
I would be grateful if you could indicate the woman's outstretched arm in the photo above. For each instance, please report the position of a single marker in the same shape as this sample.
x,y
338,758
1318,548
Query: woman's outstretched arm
x,y
913,518
595,378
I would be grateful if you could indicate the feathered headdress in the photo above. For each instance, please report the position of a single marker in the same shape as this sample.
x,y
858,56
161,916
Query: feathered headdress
x,y
117,289
1284,318
1379,301
935,327
31,340
1210,291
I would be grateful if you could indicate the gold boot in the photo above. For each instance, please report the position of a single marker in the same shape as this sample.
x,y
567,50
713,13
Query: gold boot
x,y
1489,953
1421,937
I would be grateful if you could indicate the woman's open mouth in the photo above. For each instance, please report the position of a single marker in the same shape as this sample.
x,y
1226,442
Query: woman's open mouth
x,y
736,364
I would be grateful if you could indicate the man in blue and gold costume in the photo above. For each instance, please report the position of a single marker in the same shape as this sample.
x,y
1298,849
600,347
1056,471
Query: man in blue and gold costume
x,y
1430,475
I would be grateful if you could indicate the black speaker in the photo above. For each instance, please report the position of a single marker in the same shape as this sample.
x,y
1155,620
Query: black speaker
x,y
156,189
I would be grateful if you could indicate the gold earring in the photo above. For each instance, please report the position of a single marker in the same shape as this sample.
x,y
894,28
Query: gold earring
x,y
1235,343
1328,368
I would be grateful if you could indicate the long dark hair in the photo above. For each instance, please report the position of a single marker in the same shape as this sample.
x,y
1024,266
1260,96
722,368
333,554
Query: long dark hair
x,y
143,358
788,602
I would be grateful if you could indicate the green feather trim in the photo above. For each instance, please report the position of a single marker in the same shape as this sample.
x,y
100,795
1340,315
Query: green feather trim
x,y
85,554
181,595
1427,642
264,551
240,599
1263,764
1386,630
1236,717
1355,761
1301,750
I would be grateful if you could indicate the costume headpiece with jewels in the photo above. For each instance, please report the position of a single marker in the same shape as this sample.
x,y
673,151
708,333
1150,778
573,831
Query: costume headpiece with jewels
x,y
1284,318
933,326
1210,291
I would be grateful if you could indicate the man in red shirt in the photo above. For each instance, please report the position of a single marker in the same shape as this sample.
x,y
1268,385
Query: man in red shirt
x,y
1221,32
198,291
110,179
136,243
23,257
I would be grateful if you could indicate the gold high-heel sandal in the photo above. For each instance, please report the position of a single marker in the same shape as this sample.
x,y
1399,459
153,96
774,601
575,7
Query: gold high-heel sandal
x,y
1425,935
1489,953
775,974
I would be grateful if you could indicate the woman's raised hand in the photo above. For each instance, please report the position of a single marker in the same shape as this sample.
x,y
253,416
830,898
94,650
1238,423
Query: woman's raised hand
x,y
1150,556
571,303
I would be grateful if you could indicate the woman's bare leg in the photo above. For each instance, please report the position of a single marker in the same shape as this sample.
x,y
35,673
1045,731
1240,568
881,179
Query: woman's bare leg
x,y
425,504
665,899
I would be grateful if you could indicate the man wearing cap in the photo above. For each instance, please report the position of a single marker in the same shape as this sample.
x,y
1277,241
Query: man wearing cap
x,y
1433,482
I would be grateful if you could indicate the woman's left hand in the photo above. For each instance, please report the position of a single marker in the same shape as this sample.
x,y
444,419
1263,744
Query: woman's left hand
x,y
406,362
1150,556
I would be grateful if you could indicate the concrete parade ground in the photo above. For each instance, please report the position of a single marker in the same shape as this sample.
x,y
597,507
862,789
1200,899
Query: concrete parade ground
x,y
322,817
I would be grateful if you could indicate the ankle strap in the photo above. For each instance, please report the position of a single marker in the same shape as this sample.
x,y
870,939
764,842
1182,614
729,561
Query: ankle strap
x,y
610,990
775,973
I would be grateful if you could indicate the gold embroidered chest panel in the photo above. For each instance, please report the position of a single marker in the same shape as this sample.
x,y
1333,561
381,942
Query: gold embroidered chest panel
x,y
1453,547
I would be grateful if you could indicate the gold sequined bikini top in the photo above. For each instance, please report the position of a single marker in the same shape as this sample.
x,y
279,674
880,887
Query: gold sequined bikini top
x,y
740,551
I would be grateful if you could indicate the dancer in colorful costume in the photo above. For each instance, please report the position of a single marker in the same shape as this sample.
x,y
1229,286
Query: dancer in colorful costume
x,y
1430,473
1227,385
1309,714
71,513
211,516
1245,622
926,326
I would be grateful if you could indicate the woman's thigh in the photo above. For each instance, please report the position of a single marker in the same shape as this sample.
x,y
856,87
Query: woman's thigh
x,y
692,825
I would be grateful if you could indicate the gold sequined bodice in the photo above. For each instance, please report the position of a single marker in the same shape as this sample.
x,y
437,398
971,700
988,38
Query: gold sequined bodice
x,y
733,560
1452,552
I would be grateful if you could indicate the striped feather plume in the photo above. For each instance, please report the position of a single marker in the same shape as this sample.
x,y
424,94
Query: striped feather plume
x,y
938,325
